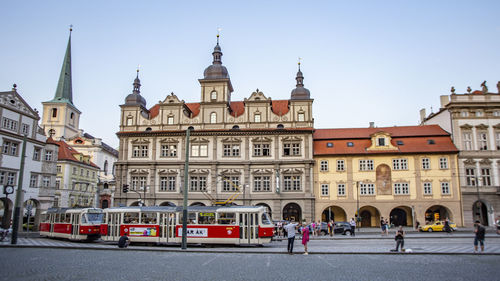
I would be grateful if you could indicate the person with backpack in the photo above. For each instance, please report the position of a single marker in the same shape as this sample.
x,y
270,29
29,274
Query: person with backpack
x,y
479,232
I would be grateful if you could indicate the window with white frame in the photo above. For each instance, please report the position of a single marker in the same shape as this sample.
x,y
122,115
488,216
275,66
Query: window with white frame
x,y
9,124
59,168
426,163
292,183
198,183
231,149
230,183
427,188
45,181
341,189
366,165
301,117
401,188
48,155
445,187
323,166
443,163
11,178
467,140
256,118
464,114
325,189
25,129
167,183
37,151
483,140
485,177
291,149
140,151
34,181
400,164
261,149
10,148
213,118
261,183
199,150
168,150
367,189
170,120
138,182
479,113
340,165
213,95
470,176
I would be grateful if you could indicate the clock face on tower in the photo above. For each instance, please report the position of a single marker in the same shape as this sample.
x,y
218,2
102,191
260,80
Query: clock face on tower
x,y
9,189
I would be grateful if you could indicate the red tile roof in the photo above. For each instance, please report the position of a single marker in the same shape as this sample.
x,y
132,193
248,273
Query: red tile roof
x,y
66,152
154,111
237,108
414,138
280,107
194,107
270,130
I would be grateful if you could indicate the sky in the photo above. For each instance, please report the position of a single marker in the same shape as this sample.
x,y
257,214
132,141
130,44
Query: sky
x,y
363,61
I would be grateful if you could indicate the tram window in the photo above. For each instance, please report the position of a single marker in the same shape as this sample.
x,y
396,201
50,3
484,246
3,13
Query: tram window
x,y
227,218
206,218
84,219
94,217
265,219
148,218
191,218
57,219
131,218
67,218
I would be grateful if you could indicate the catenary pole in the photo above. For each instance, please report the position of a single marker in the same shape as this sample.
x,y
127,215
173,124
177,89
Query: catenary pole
x,y
184,206
19,194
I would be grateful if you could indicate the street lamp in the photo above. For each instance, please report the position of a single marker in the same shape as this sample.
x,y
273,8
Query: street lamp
x,y
184,205
358,217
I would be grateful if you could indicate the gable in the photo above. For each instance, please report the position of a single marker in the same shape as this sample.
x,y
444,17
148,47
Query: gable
x,y
13,101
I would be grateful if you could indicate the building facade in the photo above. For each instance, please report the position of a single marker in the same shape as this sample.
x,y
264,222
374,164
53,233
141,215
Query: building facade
x,y
403,174
60,120
473,119
257,151
18,119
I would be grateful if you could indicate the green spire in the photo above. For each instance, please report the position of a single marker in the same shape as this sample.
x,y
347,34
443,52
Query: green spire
x,y
64,92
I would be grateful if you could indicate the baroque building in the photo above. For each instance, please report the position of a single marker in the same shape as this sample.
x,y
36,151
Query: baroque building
x,y
18,119
61,121
473,119
403,174
257,151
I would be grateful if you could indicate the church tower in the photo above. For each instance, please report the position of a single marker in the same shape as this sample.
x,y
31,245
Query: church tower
x,y
60,117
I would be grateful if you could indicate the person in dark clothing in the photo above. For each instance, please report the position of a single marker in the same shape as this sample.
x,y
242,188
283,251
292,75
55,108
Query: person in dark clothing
x,y
480,232
124,241
400,239
447,227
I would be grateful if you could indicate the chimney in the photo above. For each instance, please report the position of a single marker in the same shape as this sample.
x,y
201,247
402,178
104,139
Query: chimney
x,y
444,100
372,124
422,115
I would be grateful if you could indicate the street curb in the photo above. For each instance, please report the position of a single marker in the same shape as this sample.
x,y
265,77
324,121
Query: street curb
x,y
244,252
389,238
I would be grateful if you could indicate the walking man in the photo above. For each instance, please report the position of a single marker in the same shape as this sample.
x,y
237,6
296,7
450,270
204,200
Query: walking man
x,y
480,232
353,227
290,229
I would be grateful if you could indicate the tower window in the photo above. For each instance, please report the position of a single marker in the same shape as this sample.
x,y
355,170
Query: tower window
x,y
301,117
213,118
54,112
213,95
72,115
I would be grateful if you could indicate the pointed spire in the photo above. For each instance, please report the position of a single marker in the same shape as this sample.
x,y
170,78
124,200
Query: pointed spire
x,y
300,77
137,83
64,90
217,54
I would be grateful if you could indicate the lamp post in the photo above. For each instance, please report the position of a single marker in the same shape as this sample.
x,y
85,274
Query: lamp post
x,y
19,191
358,216
184,205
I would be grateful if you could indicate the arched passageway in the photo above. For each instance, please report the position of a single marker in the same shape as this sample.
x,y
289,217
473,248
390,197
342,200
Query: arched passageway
x,y
269,211
480,212
370,216
437,212
167,203
292,212
401,215
334,213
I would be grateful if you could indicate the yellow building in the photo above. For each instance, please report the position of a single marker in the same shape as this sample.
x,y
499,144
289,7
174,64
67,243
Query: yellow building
x,y
403,174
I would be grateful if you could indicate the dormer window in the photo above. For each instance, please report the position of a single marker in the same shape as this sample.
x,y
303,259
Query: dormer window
x,y
431,142
301,117
329,144
350,144
381,141
257,117
213,95
213,118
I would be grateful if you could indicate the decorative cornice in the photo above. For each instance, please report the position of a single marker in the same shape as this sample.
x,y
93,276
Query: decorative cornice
x,y
262,171
466,127
168,172
169,140
139,171
482,127
231,139
140,141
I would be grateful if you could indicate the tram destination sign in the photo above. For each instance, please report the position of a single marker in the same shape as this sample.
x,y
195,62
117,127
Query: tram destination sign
x,y
194,232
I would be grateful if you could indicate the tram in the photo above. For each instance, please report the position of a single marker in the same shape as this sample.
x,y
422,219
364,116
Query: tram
x,y
206,224
73,224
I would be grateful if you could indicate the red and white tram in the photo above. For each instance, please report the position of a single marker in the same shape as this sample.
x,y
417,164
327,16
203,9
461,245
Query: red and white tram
x,y
73,224
210,224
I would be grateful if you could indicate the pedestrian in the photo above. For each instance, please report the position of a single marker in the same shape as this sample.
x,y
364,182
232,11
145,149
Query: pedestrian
x,y
305,239
353,227
400,239
417,225
386,227
447,227
124,241
382,225
330,228
479,232
313,228
290,229
498,225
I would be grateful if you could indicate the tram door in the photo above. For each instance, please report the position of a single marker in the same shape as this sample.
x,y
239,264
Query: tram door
x,y
114,220
75,225
52,221
249,233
